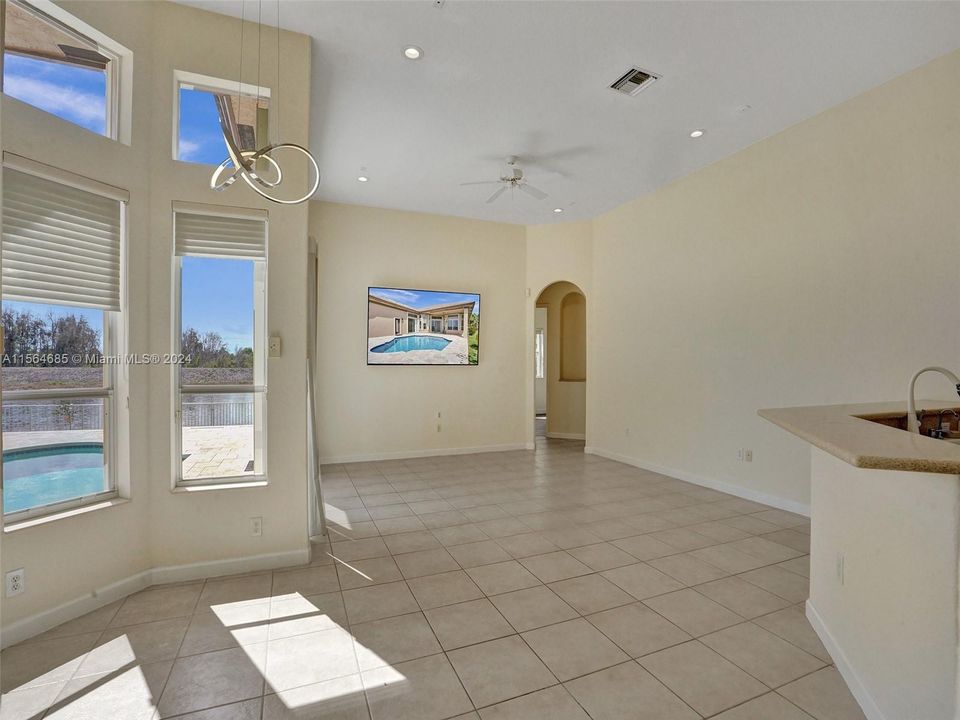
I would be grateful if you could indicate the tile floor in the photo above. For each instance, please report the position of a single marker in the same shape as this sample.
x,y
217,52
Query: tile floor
x,y
509,586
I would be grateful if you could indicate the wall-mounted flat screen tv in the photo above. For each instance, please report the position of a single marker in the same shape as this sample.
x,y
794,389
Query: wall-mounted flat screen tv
x,y
422,327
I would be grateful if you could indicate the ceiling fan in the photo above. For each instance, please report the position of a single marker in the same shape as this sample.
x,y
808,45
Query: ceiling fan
x,y
511,177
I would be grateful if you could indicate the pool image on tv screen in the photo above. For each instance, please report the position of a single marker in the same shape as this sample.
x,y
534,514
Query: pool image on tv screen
x,y
422,327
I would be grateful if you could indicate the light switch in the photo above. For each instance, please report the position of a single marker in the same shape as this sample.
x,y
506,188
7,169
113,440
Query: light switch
x,y
273,346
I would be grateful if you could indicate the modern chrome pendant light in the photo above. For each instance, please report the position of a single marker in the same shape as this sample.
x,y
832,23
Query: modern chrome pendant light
x,y
251,165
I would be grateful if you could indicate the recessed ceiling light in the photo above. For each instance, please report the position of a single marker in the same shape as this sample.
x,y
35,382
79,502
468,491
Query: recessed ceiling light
x,y
697,133
362,178
558,210
412,52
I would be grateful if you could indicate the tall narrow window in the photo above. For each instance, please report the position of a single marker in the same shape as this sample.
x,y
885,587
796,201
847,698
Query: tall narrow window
x,y
221,333
539,352
61,251
51,65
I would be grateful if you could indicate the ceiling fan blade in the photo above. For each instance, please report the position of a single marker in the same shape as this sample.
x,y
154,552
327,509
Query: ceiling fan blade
x,y
496,193
532,191
482,182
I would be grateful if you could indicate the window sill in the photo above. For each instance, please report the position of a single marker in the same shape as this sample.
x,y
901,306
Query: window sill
x,y
225,485
63,515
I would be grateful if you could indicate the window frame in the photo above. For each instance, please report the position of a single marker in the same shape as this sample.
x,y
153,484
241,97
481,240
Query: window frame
x,y
119,71
259,387
108,392
458,319
209,84
115,379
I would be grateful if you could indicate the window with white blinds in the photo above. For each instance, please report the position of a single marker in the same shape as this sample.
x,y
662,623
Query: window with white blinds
x,y
202,235
60,243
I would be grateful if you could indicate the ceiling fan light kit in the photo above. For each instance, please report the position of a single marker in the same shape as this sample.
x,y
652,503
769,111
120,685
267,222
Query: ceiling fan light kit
x,y
242,164
511,178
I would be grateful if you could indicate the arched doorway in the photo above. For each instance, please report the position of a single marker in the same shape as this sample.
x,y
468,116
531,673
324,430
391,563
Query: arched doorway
x,y
560,362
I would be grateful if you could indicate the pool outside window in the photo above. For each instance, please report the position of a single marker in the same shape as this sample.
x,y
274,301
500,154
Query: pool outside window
x,y
56,408
61,257
220,334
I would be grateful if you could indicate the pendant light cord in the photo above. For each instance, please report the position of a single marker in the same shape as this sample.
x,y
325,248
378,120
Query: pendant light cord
x,y
259,46
275,104
243,8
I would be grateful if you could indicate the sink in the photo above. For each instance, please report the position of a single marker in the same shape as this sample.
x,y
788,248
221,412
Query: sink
x,y
928,421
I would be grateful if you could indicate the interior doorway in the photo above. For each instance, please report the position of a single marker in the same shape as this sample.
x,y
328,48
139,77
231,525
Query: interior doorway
x,y
540,372
560,362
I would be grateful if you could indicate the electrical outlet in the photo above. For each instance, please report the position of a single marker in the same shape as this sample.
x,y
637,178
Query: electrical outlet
x,y
740,454
16,582
274,348
748,455
841,562
438,427
256,526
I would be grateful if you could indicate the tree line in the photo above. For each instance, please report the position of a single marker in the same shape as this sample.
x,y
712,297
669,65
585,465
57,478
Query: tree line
x,y
209,350
28,334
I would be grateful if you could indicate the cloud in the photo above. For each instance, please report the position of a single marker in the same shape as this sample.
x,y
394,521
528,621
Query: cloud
x,y
188,149
405,297
82,108
424,299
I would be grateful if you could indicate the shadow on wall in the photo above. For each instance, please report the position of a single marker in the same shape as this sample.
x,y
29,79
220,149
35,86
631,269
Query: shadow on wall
x,y
566,359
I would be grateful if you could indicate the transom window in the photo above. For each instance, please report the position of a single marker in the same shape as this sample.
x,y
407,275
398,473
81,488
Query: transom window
x,y
206,106
52,65
220,403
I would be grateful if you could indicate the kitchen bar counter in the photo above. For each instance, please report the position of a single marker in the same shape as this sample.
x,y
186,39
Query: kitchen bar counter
x,y
884,554
842,431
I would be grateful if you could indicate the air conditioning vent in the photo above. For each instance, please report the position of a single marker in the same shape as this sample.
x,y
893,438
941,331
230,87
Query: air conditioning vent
x,y
633,81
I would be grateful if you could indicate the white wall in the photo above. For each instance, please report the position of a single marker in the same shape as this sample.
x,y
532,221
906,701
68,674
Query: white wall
x,y
68,560
815,267
390,411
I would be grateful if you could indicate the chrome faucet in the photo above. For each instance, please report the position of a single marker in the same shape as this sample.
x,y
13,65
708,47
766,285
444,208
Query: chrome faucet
x,y
938,431
913,423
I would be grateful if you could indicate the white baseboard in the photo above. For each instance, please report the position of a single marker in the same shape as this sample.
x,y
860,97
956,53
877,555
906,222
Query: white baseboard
x,y
45,620
233,566
531,446
857,688
712,483
410,454
566,436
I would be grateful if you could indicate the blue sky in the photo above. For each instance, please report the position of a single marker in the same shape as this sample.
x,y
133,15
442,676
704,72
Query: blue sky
x,y
73,93
419,299
200,140
218,297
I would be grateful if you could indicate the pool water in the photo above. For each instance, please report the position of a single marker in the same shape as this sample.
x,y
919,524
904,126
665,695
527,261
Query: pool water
x,y
44,475
412,342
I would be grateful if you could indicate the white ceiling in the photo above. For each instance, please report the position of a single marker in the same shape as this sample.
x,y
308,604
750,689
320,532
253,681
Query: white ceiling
x,y
531,79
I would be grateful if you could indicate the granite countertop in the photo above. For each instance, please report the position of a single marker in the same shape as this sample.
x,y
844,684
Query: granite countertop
x,y
841,431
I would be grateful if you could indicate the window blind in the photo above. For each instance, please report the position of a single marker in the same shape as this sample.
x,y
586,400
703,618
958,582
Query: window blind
x,y
220,236
60,244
